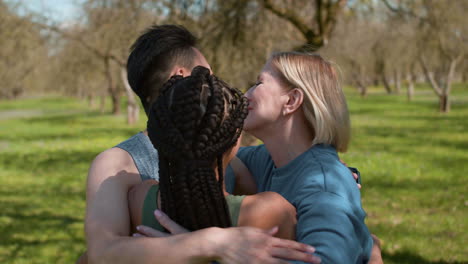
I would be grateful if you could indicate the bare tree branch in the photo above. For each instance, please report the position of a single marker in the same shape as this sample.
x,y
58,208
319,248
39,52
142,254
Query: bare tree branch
x,y
429,76
290,16
98,52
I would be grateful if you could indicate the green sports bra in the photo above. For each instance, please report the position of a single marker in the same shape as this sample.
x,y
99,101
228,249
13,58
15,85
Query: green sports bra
x,y
151,203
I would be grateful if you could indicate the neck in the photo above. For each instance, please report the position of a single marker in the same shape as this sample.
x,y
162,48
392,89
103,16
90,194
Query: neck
x,y
289,139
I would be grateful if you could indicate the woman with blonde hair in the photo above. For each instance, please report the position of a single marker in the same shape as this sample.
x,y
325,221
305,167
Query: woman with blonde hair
x,y
298,109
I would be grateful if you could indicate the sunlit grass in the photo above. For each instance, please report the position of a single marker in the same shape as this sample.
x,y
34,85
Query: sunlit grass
x,y
413,161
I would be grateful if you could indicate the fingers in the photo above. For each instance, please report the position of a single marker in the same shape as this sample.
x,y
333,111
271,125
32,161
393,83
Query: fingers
x,y
359,186
170,225
355,176
293,245
291,254
272,231
150,232
376,241
292,250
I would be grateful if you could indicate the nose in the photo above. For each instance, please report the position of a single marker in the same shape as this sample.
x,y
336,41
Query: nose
x,y
248,94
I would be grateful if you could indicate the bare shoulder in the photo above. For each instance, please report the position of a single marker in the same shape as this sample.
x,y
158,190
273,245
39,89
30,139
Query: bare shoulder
x,y
267,210
113,162
114,158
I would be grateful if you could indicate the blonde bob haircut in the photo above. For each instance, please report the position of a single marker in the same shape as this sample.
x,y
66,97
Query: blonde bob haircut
x,y
324,103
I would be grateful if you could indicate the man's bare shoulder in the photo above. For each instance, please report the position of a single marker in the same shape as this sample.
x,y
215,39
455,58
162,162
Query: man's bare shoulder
x,y
113,162
115,159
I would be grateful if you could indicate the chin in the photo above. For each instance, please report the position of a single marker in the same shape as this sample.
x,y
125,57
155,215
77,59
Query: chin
x,y
248,125
250,128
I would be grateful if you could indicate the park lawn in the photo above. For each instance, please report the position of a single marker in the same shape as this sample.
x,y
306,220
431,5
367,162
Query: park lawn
x,y
413,161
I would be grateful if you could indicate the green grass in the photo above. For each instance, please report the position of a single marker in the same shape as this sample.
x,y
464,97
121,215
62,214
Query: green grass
x,y
414,163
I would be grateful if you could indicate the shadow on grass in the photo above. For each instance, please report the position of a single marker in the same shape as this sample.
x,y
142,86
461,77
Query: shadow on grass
x,y
79,125
402,138
77,134
64,118
45,161
21,235
406,257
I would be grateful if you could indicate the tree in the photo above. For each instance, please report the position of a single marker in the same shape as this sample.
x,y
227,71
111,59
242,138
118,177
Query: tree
x,y
318,31
442,28
22,49
106,34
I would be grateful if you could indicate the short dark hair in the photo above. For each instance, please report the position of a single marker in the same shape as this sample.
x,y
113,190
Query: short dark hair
x,y
152,57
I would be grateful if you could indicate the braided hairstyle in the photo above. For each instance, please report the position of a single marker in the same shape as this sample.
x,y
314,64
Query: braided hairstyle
x,y
194,121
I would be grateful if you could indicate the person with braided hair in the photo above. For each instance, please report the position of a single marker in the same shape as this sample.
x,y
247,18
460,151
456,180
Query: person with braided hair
x,y
195,125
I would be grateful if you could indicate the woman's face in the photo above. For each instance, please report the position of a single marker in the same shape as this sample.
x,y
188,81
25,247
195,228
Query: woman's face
x,y
266,100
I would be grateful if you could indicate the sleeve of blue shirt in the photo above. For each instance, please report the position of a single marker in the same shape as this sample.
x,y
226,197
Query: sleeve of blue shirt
x,y
326,222
248,156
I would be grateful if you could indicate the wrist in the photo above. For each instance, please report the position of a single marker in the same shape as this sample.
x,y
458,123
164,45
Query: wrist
x,y
205,245
376,241
212,243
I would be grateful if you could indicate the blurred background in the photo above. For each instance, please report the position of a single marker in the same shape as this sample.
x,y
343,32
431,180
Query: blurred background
x,y
64,98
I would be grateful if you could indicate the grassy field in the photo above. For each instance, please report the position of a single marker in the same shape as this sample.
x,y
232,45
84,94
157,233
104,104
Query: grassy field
x,y
414,163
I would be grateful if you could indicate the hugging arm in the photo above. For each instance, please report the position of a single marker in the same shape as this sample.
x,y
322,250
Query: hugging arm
x,y
327,222
108,237
244,244
107,221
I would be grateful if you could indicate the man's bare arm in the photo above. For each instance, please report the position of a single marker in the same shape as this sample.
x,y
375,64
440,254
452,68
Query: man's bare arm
x,y
108,228
108,224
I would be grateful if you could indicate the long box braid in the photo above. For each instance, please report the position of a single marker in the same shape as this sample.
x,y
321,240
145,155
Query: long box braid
x,y
194,121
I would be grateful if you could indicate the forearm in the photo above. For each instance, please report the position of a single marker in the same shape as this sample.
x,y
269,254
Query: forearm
x,y
184,248
376,255
327,223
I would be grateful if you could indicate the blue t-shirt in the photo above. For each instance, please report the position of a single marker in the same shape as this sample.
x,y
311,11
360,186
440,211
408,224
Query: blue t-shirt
x,y
326,197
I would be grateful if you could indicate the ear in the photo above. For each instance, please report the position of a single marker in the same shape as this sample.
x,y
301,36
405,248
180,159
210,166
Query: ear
x,y
178,70
294,101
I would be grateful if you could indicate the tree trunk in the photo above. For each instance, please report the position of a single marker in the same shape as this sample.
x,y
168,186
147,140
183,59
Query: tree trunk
x,y
102,103
442,91
357,79
386,84
397,81
115,96
112,88
92,100
410,87
133,110
376,81
362,88
444,103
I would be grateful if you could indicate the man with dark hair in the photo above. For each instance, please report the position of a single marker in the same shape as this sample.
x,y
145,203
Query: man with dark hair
x,y
154,56
159,53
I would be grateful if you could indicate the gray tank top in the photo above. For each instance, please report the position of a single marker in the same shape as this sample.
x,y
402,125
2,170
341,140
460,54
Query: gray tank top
x,y
144,155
